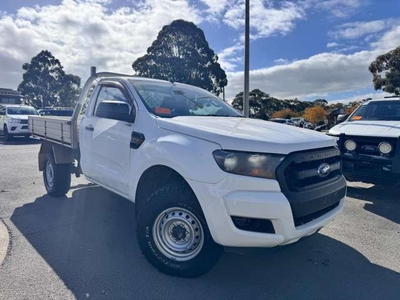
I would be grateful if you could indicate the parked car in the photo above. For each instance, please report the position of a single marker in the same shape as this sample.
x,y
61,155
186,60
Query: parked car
x,y
308,125
201,175
298,121
321,127
56,111
283,121
370,142
14,120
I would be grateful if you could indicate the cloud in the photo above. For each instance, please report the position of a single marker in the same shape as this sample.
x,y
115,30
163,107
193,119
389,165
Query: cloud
x,y
267,18
390,40
281,61
356,30
336,8
82,33
332,45
215,7
319,74
229,57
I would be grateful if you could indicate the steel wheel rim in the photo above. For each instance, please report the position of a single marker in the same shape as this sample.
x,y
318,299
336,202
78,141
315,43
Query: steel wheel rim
x,y
178,234
49,173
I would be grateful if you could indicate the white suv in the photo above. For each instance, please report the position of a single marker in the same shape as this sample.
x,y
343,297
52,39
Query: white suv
x,y
14,120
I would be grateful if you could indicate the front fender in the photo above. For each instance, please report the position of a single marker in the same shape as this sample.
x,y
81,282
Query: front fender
x,y
189,156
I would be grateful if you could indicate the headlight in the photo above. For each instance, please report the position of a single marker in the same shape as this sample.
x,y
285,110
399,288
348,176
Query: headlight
x,y
11,120
385,148
350,145
248,164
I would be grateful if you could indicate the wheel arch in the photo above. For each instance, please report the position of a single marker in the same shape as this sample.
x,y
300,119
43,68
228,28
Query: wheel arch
x,y
62,155
152,179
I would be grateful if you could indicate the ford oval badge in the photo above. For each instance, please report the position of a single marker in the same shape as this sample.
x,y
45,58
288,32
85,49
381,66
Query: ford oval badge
x,y
324,170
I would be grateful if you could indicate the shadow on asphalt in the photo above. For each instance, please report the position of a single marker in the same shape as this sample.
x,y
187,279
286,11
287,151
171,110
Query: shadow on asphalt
x,y
19,140
89,241
384,200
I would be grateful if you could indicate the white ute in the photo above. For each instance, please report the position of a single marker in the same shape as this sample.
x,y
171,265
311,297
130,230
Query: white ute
x,y
14,120
200,174
370,142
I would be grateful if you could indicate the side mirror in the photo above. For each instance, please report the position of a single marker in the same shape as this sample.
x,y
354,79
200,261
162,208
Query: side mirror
x,y
341,118
116,110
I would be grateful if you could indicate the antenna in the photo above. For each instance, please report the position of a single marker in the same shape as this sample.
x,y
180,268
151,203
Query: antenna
x,y
93,71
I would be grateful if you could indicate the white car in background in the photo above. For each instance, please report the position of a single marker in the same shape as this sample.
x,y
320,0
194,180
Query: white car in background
x,y
14,120
369,141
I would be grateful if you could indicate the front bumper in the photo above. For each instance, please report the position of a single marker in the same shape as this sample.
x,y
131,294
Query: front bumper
x,y
370,169
18,129
253,198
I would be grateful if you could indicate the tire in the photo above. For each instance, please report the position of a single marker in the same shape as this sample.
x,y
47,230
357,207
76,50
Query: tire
x,y
7,136
171,200
56,177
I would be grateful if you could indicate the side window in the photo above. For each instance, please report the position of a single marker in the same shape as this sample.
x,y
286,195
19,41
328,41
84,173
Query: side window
x,y
109,93
2,111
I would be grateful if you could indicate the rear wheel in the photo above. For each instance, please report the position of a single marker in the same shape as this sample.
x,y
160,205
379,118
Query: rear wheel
x,y
56,177
173,234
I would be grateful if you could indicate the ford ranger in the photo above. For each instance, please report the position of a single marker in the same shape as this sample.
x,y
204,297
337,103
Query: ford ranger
x,y
201,175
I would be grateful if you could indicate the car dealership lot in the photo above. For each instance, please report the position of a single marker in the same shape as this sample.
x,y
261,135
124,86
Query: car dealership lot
x,y
84,246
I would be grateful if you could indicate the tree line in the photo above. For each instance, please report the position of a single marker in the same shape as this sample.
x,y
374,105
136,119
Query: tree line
x,y
263,106
181,53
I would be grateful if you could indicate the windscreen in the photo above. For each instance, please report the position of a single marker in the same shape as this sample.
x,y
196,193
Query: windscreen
x,y
378,111
170,100
20,110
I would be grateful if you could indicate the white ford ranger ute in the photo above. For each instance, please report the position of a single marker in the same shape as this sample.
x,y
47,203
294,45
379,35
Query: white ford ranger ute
x,y
370,142
200,174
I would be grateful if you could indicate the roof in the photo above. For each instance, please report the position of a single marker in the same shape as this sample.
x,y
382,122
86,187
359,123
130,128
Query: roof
x,y
9,92
145,79
335,111
383,99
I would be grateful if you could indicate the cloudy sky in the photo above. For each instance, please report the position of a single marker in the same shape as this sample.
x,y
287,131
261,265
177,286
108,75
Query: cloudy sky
x,y
300,48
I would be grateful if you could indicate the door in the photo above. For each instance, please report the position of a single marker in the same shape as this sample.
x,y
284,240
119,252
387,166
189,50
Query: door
x,y
105,142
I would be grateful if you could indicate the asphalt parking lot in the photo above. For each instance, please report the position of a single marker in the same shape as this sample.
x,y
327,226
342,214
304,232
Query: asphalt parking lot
x,y
83,246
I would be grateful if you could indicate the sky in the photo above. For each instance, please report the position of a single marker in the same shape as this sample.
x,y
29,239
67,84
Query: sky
x,y
305,49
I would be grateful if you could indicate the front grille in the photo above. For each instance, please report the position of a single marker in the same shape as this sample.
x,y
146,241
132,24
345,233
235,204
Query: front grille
x,y
310,193
369,145
23,121
302,171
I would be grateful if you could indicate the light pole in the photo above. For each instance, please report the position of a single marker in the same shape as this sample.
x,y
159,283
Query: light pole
x,y
246,59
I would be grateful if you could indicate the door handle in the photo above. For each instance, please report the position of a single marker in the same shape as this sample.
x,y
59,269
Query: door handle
x,y
89,127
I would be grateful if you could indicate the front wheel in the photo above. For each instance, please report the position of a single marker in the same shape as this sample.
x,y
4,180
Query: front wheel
x,y
56,177
7,136
173,234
